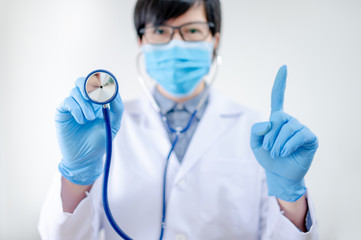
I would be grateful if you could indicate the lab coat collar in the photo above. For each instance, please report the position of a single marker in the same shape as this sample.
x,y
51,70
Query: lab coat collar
x,y
142,111
223,106
211,126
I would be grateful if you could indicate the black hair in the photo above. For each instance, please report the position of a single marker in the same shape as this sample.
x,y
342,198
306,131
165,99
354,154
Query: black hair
x,y
158,12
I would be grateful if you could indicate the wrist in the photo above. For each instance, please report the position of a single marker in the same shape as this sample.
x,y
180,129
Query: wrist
x,y
84,174
72,194
283,188
295,211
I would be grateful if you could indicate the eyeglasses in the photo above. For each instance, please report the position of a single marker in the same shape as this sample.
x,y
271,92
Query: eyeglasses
x,y
192,32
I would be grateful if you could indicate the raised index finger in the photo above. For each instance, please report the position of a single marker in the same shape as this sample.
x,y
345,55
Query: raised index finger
x,y
278,90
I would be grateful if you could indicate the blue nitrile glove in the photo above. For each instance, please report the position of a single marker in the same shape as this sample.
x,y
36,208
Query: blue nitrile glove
x,y
81,134
283,146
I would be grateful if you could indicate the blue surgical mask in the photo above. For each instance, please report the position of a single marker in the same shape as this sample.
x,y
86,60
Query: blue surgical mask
x,y
178,66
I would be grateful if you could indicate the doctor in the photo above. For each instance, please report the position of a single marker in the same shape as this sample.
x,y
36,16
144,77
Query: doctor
x,y
230,176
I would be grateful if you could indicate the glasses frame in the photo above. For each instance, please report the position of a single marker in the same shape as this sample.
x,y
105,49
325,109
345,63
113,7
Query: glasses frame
x,y
210,26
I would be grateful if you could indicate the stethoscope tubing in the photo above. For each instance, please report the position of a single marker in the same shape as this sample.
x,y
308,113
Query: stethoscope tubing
x,y
108,152
109,139
106,207
178,132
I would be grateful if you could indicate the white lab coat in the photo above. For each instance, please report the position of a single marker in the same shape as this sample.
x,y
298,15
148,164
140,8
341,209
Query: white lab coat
x,y
218,192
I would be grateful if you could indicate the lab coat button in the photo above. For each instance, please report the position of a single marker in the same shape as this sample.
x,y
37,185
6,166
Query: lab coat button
x,y
181,183
179,106
180,236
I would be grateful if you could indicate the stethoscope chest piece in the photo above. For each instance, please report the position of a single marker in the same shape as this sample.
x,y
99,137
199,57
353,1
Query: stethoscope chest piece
x,y
101,87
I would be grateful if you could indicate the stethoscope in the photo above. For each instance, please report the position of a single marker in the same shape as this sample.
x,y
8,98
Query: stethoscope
x,y
101,87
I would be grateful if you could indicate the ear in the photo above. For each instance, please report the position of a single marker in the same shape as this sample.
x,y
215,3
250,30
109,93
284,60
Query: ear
x,y
216,38
216,41
139,42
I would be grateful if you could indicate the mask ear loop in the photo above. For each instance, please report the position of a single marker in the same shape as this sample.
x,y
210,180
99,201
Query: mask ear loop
x,y
145,86
217,62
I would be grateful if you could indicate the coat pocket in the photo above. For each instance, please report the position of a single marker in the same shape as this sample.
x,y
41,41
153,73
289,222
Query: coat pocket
x,y
230,194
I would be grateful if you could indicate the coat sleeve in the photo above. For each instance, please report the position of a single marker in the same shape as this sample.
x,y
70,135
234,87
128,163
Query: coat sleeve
x,y
83,223
275,226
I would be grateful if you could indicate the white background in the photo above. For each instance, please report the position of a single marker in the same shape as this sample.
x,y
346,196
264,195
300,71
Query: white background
x,y
46,45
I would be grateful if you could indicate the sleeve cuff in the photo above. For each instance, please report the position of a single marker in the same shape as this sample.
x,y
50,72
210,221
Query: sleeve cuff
x,y
282,228
309,221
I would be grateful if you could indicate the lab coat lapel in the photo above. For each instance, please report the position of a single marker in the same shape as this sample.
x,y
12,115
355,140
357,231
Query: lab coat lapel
x,y
155,133
209,129
212,125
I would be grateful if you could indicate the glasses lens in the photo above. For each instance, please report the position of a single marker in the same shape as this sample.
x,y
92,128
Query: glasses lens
x,y
159,34
195,31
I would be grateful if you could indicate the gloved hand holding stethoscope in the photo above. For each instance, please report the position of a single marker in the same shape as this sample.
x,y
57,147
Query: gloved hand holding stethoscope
x,y
84,137
80,127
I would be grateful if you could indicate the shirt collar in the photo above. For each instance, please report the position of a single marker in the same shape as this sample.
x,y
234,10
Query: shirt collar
x,y
166,105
